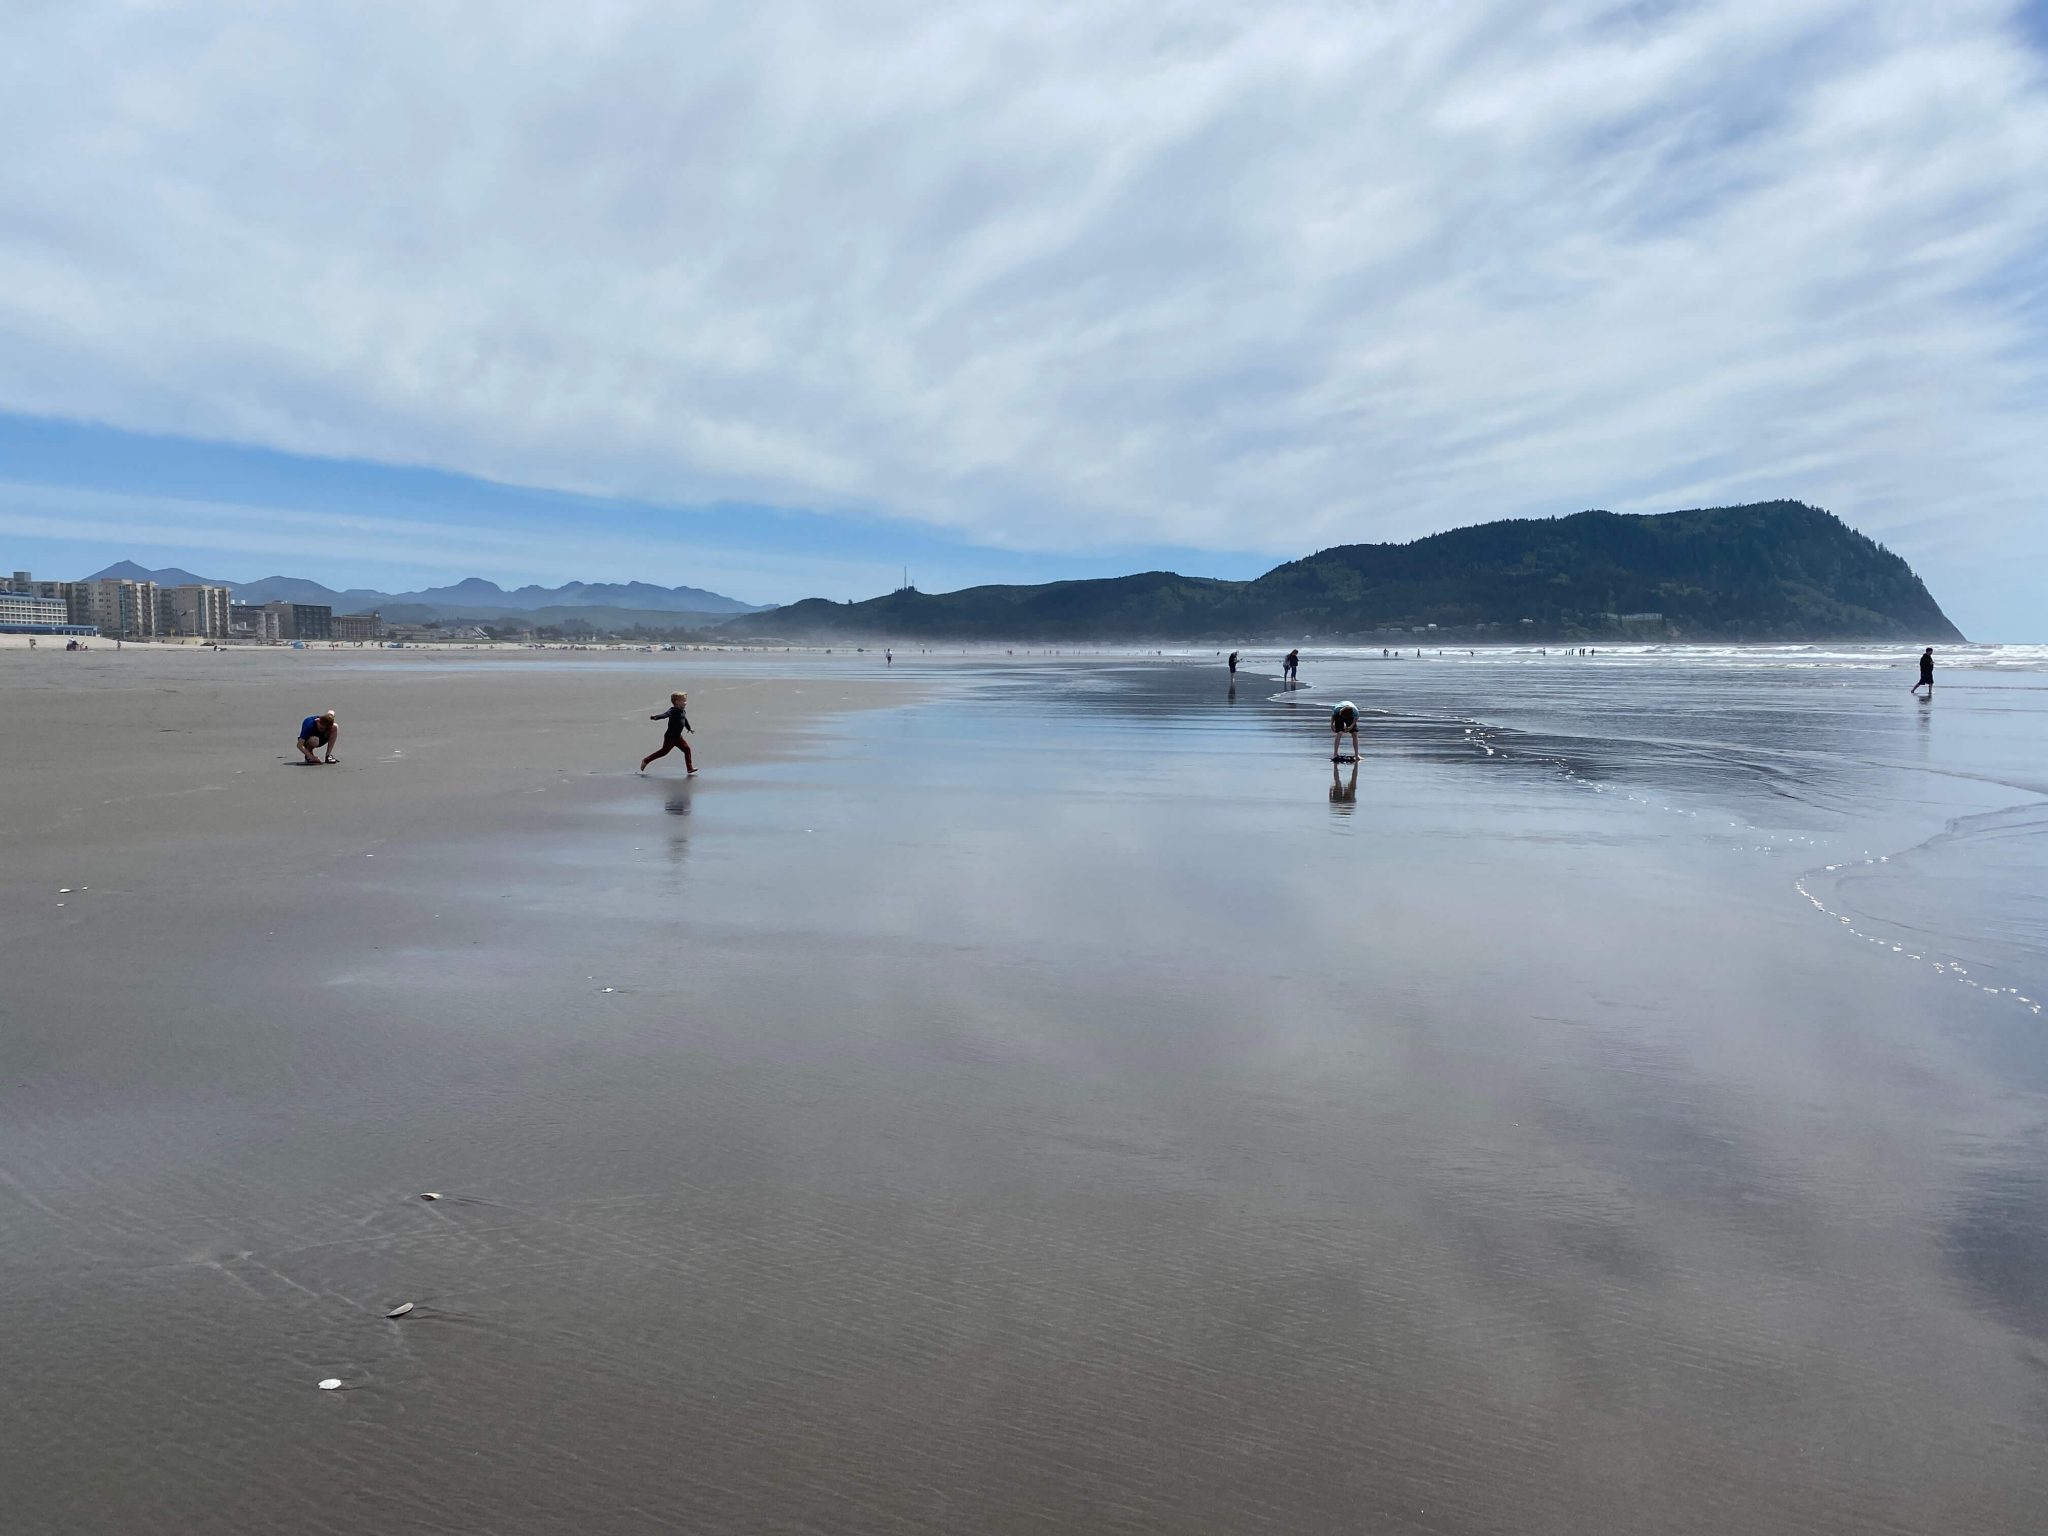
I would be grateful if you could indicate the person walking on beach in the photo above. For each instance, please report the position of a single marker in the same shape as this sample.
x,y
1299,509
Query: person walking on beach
x,y
319,730
1233,666
1290,668
1926,673
1342,719
678,722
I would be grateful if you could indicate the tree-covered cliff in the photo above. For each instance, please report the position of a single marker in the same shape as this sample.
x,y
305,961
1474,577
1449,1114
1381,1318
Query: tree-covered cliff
x,y
1777,570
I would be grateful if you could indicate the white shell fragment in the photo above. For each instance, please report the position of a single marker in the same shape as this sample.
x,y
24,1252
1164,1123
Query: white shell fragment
x,y
400,1310
430,1195
330,1383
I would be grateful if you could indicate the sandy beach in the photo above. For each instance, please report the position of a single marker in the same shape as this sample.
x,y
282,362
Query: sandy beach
x,y
1013,1094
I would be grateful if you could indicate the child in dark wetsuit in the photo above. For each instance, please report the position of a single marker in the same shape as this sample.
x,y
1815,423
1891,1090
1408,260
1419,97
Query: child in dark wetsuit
x,y
678,722
1926,672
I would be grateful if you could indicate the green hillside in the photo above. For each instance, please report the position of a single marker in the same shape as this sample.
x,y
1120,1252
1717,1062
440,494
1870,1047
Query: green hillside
x,y
1777,570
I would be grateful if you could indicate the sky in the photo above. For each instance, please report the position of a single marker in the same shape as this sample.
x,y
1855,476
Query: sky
x,y
780,299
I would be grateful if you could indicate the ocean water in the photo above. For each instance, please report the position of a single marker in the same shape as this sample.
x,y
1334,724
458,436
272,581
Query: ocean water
x,y
1072,1102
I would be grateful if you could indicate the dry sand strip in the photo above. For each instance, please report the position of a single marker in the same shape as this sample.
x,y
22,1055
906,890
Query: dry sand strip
x,y
112,762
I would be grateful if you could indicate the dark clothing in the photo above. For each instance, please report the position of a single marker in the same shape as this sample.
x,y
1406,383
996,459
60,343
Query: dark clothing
x,y
1927,669
313,728
678,722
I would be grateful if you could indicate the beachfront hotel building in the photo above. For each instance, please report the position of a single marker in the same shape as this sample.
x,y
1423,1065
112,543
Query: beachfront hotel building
x,y
128,609
26,610
358,626
248,621
303,621
196,609
71,594
19,608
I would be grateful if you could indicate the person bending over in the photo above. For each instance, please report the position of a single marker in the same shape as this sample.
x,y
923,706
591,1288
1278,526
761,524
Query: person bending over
x,y
678,722
319,730
1342,719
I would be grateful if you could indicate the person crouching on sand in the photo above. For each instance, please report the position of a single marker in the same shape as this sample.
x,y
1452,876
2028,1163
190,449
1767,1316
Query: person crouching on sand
x,y
319,731
1342,719
678,722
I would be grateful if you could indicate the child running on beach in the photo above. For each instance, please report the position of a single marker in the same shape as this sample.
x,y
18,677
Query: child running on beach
x,y
678,722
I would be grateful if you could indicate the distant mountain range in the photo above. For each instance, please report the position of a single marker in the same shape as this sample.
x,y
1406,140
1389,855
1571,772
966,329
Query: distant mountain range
x,y
631,602
1777,570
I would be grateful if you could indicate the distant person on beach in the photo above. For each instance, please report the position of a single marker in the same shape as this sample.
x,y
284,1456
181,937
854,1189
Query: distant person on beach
x,y
888,658
678,722
319,730
1342,719
1233,666
1926,673
1291,666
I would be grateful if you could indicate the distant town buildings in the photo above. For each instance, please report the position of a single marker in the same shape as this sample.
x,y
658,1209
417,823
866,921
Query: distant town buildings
x,y
28,606
248,621
123,608
197,609
142,610
115,606
430,633
303,621
21,611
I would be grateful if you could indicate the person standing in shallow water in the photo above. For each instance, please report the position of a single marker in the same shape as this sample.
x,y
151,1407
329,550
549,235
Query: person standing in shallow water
x,y
1233,666
678,722
1926,673
1290,669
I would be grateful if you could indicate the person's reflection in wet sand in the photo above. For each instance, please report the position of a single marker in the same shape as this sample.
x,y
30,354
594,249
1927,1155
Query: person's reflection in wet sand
x,y
1343,788
677,803
1231,697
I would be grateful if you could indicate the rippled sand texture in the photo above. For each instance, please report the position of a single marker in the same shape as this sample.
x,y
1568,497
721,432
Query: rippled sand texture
x,y
1061,1101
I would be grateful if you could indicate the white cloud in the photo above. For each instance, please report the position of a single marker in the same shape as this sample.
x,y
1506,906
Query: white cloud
x,y
1225,275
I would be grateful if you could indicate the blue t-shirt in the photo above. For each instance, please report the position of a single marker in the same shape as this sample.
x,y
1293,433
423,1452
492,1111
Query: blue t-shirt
x,y
313,726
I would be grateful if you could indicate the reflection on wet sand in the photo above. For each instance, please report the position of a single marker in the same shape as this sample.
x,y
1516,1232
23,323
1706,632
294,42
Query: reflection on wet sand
x,y
1011,1130
1343,787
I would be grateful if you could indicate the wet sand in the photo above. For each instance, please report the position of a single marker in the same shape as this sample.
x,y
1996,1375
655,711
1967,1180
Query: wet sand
x,y
1035,1098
